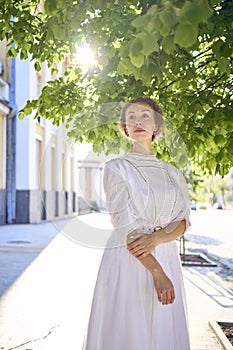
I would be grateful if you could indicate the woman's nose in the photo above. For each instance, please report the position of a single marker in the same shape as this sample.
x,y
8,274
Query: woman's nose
x,y
138,123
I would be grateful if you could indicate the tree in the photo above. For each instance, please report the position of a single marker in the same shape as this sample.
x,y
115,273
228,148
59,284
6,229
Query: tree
x,y
179,52
214,189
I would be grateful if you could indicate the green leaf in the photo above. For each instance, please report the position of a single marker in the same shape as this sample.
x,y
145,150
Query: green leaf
x,y
223,64
136,47
230,146
225,50
168,44
147,73
58,29
122,68
140,21
211,163
27,110
124,51
217,47
21,116
37,66
165,30
195,12
215,2
12,52
51,7
219,140
23,54
168,17
149,43
48,99
136,57
185,35
138,60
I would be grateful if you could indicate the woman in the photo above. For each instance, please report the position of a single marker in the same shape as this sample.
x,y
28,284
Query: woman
x,y
139,299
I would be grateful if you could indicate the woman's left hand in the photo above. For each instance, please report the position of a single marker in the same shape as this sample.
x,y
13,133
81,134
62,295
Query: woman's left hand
x,y
143,244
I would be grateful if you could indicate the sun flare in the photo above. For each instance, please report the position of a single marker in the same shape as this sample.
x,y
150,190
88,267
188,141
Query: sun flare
x,y
86,57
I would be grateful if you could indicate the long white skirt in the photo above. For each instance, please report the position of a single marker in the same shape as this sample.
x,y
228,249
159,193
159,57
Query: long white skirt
x,y
126,313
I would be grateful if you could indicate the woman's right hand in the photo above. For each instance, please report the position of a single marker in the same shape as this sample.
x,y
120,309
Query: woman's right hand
x,y
164,287
142,244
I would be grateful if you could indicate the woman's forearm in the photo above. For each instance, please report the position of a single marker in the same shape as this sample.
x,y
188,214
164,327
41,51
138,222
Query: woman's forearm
x,y
141,245
148,261
162,284
170,232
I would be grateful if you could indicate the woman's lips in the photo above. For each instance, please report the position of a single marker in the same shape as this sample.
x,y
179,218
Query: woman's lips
x,y
139,130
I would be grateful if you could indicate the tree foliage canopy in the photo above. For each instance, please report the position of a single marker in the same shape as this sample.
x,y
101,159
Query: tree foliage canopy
x,y
179,52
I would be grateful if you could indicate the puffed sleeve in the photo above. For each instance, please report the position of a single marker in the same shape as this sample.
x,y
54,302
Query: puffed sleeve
x,y
183,200
118,199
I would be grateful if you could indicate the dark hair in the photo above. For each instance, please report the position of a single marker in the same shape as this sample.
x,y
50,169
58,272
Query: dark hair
x,y
158,114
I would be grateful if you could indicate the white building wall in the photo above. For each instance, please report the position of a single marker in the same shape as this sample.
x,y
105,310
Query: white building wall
x,y
42,148
91,176
23,146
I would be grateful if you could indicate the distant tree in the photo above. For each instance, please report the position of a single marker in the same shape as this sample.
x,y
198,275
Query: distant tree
x,y
179,52
213,189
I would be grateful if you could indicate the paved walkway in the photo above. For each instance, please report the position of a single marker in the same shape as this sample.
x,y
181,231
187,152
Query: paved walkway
x,y
47,307
20,245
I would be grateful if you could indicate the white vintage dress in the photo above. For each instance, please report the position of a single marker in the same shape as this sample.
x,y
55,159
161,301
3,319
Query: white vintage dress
x,y
142,192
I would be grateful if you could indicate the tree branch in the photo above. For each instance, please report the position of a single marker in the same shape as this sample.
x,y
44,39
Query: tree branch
x,y
211,84
202,53
169,84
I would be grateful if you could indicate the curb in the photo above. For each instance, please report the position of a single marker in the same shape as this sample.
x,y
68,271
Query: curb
x,y
20,249
220,335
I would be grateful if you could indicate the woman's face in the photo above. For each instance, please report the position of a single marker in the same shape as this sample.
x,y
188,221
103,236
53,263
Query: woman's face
x,y
140,122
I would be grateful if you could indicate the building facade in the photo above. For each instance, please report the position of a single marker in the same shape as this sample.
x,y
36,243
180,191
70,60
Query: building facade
x,y
90,179
46,164
39,171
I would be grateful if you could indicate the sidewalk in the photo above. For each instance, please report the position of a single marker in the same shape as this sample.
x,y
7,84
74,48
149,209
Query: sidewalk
x,y
20,245
47,307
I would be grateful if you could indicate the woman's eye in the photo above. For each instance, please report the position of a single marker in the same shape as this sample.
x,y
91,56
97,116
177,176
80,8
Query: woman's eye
x,y
131,117
146,116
